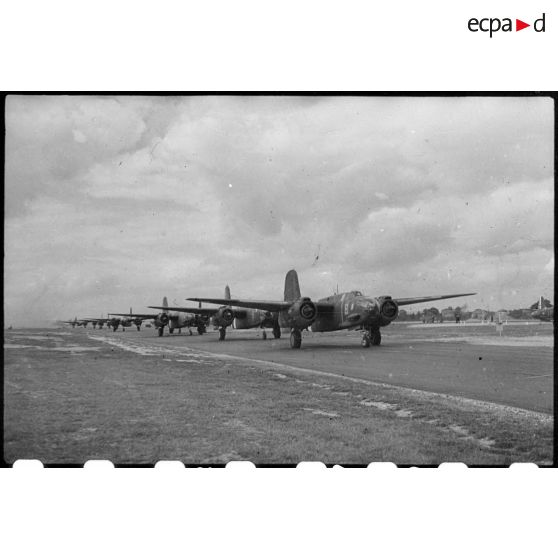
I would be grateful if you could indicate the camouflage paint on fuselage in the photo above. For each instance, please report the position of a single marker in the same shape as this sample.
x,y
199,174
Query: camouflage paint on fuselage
x,y
248,318
350,310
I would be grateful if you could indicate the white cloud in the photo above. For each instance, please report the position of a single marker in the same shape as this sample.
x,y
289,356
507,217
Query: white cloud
x,y
112,202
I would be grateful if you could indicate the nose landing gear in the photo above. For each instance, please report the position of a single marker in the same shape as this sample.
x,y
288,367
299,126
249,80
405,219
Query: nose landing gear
x,y
296,339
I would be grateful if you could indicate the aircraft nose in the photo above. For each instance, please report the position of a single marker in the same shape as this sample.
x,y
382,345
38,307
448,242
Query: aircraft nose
x,y
370,306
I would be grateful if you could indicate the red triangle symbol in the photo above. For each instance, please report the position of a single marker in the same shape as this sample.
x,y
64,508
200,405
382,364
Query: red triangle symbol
x,y
519,25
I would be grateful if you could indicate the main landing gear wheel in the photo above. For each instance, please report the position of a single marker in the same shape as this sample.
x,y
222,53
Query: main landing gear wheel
x,y
179,330
296,339
138,328
277,332
222,333
201,330
190,332
264,334
371,337
160,331
171,329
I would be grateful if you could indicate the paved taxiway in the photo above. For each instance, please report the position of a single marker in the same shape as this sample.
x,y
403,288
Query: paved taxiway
x,y
450,359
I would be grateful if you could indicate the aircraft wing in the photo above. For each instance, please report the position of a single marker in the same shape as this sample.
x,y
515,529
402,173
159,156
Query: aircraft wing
x,y
145,316
268,305
189,310
417,300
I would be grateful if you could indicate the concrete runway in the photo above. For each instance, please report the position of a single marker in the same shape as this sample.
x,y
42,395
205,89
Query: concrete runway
x,y
469,361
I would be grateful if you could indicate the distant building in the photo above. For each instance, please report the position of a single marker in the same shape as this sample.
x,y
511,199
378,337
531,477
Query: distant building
x,y
479,314
448,314
431,316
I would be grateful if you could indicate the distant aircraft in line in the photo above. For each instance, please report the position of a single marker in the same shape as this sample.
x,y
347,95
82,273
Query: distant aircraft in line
x,y
97,322
351,310
177,318
226,316
221,317
75,322
127,320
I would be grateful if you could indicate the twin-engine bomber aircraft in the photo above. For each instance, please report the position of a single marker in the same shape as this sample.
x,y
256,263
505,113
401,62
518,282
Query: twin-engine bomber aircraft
x,y
177,318
98,322
350,310
75,322
225,316
127,320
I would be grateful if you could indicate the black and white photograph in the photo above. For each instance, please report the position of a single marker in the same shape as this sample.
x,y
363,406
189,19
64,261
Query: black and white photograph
x,y
279,278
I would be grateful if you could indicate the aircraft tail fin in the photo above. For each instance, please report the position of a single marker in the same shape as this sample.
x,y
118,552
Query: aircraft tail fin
x,y
292,288
165,302
227,293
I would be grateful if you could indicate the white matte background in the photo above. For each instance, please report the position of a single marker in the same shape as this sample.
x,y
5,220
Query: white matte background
x,y
288,45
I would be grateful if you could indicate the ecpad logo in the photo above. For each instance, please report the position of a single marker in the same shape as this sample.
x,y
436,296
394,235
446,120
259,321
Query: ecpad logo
x,y
493,25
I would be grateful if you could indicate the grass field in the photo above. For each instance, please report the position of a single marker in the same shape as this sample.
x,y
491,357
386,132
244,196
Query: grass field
x,y
70,398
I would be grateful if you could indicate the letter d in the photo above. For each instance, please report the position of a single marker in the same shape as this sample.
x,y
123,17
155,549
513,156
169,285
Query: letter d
x,y
535,25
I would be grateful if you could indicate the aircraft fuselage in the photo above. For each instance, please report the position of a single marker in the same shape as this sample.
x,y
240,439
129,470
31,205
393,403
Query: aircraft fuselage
x,y
255,318
352,310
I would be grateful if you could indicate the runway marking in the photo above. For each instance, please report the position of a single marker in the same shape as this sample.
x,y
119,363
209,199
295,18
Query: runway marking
x,y
378,405
191,360
531,341
331,414
466,435
485,405
72,349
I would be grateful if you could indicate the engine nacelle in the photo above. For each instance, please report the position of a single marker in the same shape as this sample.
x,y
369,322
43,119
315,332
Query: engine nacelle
x,y
162,320
223,318
388,310
300,315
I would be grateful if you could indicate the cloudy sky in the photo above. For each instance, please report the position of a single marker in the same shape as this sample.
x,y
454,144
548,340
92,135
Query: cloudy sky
x,y
112,202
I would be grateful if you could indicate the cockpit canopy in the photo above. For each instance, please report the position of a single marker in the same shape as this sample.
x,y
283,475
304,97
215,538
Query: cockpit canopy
x,y
356,293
